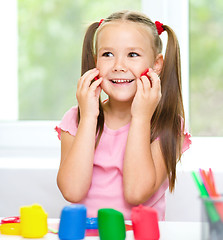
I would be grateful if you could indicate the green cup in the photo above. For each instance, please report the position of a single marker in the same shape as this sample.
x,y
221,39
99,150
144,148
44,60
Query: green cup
x,y
111,224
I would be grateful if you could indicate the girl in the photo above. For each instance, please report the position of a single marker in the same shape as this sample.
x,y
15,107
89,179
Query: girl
x,y
123,152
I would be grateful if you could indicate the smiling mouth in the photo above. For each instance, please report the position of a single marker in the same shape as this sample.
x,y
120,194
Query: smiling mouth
x,y
119,81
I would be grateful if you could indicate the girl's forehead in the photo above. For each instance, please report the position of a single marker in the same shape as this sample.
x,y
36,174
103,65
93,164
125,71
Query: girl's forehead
x,y
123,30
128,25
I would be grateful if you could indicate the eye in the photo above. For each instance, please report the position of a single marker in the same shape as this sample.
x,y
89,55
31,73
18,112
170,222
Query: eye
x,y
107,54
133,54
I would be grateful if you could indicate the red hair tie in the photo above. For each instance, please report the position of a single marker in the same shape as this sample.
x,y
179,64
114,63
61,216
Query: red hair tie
x,y
159,27
101,21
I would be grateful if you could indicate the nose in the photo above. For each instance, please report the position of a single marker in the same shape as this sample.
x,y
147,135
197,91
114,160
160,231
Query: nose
x,y
119,65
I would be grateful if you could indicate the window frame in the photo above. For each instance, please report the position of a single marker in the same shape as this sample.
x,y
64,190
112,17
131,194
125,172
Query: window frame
x,y
9,60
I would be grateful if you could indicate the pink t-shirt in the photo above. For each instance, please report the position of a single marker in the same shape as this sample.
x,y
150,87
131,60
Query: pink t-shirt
x,y
106,190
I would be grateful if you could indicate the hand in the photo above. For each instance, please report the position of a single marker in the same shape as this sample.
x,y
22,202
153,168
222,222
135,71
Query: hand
x,y
147,96
88,92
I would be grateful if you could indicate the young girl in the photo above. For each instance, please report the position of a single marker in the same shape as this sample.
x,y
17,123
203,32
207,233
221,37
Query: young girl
x,y
123,152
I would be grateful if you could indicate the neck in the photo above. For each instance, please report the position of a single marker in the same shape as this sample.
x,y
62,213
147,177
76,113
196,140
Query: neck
x,y
117,114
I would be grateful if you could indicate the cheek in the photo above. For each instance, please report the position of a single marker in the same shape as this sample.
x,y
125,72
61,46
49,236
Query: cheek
x,y
139,70
143,67
105,87
138,67
101,67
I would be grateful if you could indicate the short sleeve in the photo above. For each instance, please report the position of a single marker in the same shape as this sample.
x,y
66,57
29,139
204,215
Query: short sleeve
x,y
68,122
187,140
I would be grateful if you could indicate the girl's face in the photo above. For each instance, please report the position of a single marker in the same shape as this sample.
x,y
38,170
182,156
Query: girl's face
x,y
124,51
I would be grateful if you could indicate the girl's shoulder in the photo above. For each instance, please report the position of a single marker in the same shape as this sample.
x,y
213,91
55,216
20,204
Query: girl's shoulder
x,y
68,122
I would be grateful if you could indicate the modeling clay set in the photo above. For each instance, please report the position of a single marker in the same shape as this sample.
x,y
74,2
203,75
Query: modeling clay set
x,y
74,223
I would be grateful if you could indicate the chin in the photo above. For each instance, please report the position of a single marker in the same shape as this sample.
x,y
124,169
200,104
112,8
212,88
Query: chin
x,y
122,98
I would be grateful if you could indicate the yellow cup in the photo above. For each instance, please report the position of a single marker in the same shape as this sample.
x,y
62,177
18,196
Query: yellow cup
x,y
33,220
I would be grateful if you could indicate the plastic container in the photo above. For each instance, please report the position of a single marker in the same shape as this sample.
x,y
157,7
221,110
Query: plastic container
x,y
211,218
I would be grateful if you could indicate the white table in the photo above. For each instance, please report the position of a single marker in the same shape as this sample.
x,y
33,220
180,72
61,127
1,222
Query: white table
x,y
168,231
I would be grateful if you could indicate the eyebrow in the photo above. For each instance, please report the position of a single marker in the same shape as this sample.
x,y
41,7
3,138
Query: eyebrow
x,y
135,49
105,49
129,49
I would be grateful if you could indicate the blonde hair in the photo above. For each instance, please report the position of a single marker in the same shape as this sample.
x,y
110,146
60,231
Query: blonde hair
x,y
167,119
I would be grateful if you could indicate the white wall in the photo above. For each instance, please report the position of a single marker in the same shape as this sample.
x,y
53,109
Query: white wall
x,y
21,187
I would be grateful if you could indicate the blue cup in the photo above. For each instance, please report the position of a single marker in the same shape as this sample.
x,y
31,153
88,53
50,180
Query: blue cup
x,y
73,222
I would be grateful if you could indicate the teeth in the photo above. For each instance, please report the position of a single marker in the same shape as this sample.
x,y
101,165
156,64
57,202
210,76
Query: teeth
x,y
121,81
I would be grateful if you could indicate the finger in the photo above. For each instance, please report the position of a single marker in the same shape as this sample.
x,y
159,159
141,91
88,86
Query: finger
x,y
89,80
146,82
86,76
155,79
98,91
95,85
80,81
139,85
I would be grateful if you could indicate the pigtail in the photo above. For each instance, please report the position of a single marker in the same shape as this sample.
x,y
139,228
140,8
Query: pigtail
x,y
88,62
169,114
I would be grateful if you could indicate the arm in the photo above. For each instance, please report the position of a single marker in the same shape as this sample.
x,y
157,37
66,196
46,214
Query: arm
x,y
77,153
144,168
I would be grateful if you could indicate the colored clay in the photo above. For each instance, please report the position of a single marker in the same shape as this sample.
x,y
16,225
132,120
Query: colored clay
x,y
145,223
33,220
73,222
111,224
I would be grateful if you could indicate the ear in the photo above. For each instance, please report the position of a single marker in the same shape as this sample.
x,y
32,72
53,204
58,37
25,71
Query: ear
x,y
158,64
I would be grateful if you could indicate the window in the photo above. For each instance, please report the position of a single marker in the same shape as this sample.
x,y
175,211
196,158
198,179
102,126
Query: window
x,y
206,61
50,39
40,65
38,81
189,19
